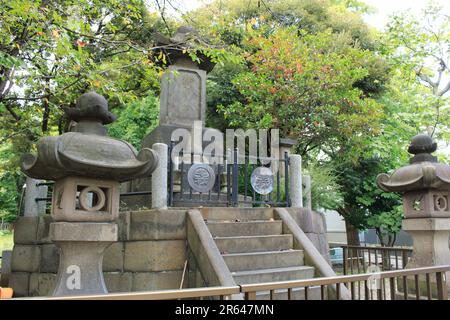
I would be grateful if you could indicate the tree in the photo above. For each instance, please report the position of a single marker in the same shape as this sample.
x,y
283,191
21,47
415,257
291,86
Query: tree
x,y
305,85
53,51
420,47
136,120
311,69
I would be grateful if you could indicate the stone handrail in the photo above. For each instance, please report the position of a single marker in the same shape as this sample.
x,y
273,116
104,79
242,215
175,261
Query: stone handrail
x,y
312,255
209,260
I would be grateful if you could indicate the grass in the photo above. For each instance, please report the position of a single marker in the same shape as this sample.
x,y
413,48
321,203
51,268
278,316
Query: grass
x,y
6,240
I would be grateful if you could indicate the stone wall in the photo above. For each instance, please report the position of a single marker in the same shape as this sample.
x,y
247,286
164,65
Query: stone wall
x,y
150,254
314,226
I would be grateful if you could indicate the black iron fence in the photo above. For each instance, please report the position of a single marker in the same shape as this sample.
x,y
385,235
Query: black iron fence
x,y
356,259
236,180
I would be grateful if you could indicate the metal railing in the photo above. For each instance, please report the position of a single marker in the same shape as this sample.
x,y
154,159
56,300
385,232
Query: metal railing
x,y
388,285
356,259
232,186
222,293
419,283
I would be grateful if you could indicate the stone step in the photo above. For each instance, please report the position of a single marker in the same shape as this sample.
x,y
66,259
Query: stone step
x,y
275,274
264,260
245,228
254,243
297,294
241,214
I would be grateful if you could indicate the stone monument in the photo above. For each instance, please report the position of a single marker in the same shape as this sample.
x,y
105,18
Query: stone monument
x,y
182,105
87,167
425,185
183,86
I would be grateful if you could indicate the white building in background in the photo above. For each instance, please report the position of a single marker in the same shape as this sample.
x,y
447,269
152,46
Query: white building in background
x,y
335,226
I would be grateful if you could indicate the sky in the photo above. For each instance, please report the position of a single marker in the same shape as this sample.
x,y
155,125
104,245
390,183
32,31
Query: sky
x,y
384,8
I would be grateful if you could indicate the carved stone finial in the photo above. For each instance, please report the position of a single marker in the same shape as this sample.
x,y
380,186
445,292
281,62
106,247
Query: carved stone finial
x,y
421,147
91,106
175,48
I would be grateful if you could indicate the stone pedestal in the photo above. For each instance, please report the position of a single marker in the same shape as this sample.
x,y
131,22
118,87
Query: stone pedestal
x,y
431,243
425,186
159,178
307,191
286,145
295,181
82,245
33,208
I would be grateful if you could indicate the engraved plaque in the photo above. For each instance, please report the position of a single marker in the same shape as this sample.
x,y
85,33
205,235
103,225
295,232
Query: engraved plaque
x,y
262,180
201,177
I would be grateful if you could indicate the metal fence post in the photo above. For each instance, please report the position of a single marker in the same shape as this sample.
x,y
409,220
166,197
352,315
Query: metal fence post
x,y
235,183
170,173
286,179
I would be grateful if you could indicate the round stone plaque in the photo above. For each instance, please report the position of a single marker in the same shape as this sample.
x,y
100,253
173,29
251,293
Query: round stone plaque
x,y
201,177
262,180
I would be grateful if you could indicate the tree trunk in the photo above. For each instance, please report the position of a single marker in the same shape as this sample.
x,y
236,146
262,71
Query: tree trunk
x,y
352,234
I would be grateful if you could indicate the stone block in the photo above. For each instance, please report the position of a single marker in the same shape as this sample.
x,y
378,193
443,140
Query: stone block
x,y
323,244
118,281
43,232
303,217
314,237
42,284
154,255
136,202
20,281
113,257
146,281
49,258
426,224
158,225
26,258
25,230
317,222
83,231
124,225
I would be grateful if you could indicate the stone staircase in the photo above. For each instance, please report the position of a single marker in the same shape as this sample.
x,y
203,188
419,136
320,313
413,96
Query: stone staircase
x,y
255,249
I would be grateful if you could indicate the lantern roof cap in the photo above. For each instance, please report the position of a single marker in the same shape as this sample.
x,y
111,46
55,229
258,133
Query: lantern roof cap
x,y
423,172
86,150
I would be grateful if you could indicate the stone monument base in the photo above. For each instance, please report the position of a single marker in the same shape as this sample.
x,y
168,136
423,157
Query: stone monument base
x,y
431,243
82,245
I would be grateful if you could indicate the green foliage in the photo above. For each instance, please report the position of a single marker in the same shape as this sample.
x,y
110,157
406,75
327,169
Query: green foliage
x,y
387,225
136,120
6,241
419,47
325,191
306,85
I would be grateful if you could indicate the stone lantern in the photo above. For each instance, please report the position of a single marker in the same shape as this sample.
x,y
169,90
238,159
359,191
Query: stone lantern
x,y
425,186
87,167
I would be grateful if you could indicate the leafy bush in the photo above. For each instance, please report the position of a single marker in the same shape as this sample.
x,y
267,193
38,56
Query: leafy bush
x,y
136,120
